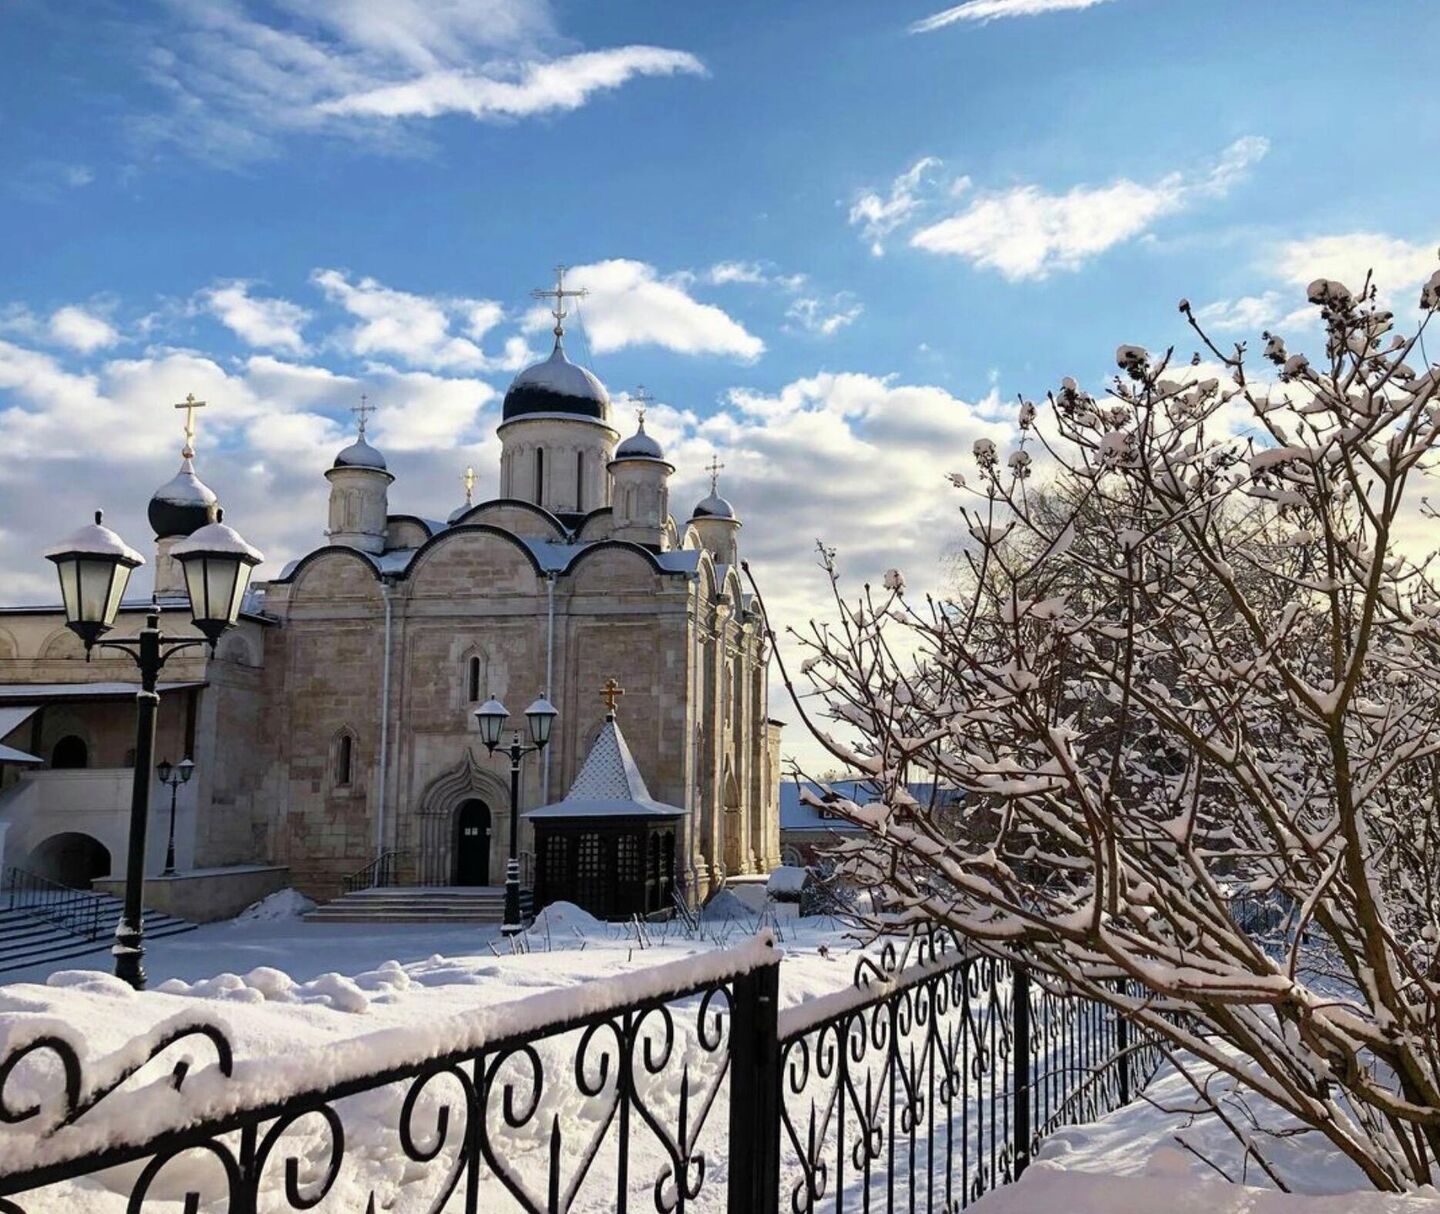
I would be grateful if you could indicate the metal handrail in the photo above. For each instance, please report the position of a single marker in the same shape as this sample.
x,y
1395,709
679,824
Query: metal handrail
x,y
80,911
382,871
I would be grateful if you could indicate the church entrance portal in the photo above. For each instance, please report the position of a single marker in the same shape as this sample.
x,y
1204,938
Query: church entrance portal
x,y
472,844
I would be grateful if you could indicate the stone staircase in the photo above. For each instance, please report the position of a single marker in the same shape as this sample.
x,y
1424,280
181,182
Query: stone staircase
x,y
29,937
420,904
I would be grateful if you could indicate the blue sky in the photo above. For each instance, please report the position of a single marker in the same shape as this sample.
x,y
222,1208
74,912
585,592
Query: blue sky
x,y
832,239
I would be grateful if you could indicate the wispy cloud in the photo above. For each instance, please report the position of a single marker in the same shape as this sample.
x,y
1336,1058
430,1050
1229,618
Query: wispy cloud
x,y
631,304
265,324
416,329
536,88
824,317
877,215
238,84
994,10
1026,232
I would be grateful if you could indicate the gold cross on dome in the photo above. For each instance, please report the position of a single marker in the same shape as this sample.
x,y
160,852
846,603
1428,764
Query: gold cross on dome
x,y
641,398
714,467
559,294
611,692
362,411
190,404
469,479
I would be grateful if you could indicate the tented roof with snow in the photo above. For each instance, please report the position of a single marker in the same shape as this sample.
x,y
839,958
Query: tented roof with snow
x,y
609,784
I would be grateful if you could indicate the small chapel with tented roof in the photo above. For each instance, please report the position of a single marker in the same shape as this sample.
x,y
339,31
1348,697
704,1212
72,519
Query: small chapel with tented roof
x,y
352,680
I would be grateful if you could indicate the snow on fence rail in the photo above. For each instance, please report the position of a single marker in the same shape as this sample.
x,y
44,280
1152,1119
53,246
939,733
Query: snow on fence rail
x,y
679,1089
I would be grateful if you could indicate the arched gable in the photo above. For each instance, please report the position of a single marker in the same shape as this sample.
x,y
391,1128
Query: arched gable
x,y
512,514
335,572
672,534
596,526
690,539
614,564
474,558
406,531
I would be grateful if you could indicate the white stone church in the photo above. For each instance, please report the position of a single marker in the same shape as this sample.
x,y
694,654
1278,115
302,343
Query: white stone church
x,y
334,726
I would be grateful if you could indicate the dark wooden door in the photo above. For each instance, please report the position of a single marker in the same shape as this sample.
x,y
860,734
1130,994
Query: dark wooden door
x,y
472,844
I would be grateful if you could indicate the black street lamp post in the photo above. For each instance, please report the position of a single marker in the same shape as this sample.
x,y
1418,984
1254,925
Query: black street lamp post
x,y
172,775
94,566
491,717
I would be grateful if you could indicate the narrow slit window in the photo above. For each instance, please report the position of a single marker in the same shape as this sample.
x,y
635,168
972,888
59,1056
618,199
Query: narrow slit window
x,y
539,476
473,680
344,759
579,480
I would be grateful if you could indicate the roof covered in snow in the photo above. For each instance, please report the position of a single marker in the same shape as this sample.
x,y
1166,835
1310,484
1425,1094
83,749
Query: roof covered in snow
x,y
609,784
796,815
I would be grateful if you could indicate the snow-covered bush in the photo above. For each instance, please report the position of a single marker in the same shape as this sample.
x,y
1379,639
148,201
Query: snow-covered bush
x,y
1197,660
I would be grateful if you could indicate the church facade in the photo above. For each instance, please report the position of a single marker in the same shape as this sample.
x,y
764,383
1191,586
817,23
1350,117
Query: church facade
x,y
336,726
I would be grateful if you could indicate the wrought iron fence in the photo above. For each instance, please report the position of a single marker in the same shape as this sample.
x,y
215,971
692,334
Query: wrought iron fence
x,y
80,911
678,1088
932,1083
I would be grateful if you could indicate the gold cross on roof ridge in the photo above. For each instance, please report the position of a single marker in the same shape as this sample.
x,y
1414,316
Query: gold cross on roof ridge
x,y
469,480
611,692
190,404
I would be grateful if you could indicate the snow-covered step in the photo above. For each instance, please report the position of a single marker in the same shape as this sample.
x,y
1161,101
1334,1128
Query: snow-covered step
x,y
419,904
28,938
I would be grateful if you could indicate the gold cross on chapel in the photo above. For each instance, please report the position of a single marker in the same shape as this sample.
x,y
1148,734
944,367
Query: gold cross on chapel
x,y
612,691
559,294
190,404
469,479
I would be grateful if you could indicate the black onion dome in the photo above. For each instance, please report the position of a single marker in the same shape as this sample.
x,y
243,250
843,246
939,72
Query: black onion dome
x,y
182,505
640,446
556,385
360,454
713,506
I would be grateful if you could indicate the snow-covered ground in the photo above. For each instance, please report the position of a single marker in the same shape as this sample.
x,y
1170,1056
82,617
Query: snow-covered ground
x,y
1146,1158
288,993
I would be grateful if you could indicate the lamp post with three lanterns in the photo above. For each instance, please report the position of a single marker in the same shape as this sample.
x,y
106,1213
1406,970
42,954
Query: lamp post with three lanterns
x,y
94,566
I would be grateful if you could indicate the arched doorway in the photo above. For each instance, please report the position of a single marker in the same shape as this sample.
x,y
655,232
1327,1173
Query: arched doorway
x,y
70,858
472,844
70,752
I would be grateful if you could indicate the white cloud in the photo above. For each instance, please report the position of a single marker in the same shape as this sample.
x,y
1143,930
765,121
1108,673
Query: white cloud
x,y
1398,265
751,273
266,324
1025,232
629,304
878,215
81,330
415,328
1252,313
537,88
238,83
994,10
823,317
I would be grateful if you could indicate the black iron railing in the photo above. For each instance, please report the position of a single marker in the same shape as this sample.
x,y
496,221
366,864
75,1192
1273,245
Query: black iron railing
x,y
82,912
673,1089
938,1087
382,871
